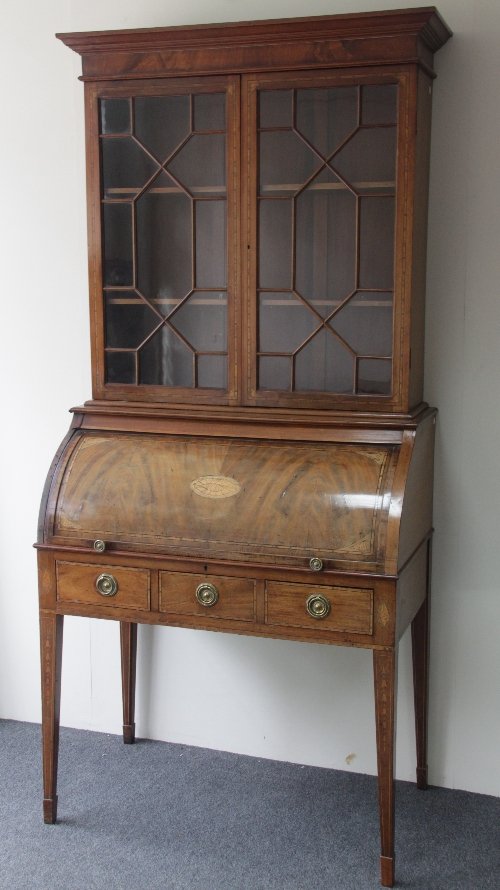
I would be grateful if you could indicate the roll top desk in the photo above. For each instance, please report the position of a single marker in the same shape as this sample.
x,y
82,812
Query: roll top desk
x,y
257,457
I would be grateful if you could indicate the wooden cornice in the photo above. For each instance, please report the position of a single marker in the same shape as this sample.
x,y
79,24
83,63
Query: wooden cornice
x,y
374,38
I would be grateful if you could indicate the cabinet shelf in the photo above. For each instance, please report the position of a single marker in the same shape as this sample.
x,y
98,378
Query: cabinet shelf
x,y
165,301
327,186
359,304
279,187
169,190
207,301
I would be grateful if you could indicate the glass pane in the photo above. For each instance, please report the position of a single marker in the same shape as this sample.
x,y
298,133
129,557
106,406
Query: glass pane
x,y
164,247
211,239
202,320
284,322
210,111
115,115
325,253
162,123
126,167
275,372
374,377
275,244
117,248
326,117
285,162
366,326
376,243
120,367
128,319
379,104
212,371
163,184
276,108
166,361
324,365
369,157
201,165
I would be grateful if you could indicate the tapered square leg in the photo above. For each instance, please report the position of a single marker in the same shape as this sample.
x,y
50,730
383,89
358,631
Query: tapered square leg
x,y
51,640
384,672
128,642
420,653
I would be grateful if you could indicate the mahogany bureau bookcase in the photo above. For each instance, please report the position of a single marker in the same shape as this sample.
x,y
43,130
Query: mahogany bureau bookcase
x,y
257,457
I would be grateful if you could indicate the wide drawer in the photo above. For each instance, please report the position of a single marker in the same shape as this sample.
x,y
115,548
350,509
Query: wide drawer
x,y
348,609
210,596
102,585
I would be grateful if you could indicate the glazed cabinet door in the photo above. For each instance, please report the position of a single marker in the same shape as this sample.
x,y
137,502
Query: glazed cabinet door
x,y
163,192
327,296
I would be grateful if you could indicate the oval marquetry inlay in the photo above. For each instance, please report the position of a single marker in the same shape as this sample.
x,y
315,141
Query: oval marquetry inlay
x,y
215,486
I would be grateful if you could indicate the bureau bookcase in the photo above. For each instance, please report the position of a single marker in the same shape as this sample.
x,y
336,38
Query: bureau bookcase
x,y
257,455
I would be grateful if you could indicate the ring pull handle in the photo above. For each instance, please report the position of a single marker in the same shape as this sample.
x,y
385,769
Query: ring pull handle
x,y
106,585
318,606
316,564
207,594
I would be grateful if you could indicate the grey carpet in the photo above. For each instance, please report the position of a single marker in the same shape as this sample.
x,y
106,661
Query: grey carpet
x,y
155,816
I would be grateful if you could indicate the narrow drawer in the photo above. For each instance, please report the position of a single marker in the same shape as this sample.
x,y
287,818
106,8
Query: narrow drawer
x,y
348,609
209,596
102,585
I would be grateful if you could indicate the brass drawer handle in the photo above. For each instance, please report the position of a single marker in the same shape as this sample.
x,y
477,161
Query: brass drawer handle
x,y
207,594
318,606
107,585
99,546
316,564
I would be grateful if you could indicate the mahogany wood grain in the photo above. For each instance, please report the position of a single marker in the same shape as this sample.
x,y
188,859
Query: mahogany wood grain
x,y
196,565
378,423
342,489
410,513
411,588
344,477
289,428
313,42
376,640
385,676
51,641
420,189
128,650
76,583
47,588
420,653
351,608
236,596
416,511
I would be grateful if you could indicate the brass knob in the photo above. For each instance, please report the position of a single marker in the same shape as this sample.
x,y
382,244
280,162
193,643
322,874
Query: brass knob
x,y
207,594
318,606
100,546
315,563
107,585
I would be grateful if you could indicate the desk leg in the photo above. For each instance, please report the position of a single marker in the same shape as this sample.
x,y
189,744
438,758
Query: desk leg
x,y
420,652
51,640
384,672
128,642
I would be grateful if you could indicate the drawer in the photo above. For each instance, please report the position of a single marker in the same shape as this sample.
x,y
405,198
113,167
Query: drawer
x,y
347,609
217,597
78,583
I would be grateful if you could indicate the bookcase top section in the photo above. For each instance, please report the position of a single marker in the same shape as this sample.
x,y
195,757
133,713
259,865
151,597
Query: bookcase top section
x,y
396,36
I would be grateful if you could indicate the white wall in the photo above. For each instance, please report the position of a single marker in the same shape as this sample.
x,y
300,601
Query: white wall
x,y
272,699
